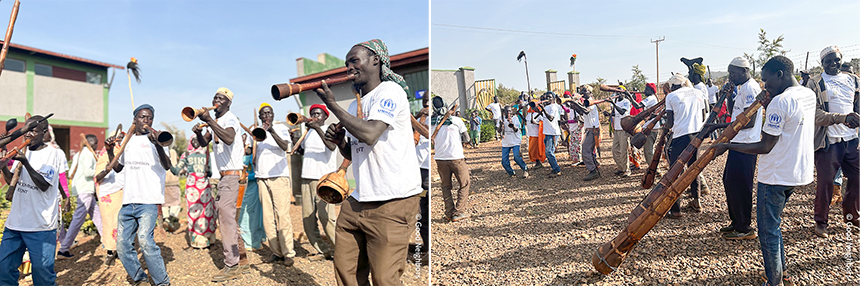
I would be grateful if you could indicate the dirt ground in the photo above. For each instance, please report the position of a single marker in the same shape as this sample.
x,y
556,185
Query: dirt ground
x,y
541,231
189,266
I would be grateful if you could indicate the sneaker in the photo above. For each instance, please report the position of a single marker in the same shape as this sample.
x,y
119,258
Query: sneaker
x,y
726,229
525,174
110,258
735,235
228,273
460,217
821,230
537,165
289,261
592,175
63,255
512,175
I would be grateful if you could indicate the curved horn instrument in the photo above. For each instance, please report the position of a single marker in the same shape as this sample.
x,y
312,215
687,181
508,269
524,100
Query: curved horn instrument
x,y
631,123
15,151
296,118
333,187
640,137
284,90
648,179
258,133
164,138
190,113
646,215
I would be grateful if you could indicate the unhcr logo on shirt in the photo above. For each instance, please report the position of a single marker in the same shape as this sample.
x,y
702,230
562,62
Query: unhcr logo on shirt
x,y
773,120
387,107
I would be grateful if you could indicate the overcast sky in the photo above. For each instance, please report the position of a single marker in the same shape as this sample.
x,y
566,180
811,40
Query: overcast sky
x,y
188,49
609,37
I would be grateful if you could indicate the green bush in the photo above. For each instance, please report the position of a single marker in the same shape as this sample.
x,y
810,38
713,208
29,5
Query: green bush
x,y
488,130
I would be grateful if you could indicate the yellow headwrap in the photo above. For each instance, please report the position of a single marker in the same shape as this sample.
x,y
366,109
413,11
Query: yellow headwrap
x,y
699,69
264,105
226,92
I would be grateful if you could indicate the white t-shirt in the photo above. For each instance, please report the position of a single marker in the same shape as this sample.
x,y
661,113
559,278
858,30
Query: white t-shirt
x,y
840,93
649,102
744,97
532,129
33,209
496,109
318,159
144,175
550,127
111,183
229,157
85,164
687,104
271,159
512,138
448,143
592,118
422,150
791,116
701,86
388,169
616,120
712,94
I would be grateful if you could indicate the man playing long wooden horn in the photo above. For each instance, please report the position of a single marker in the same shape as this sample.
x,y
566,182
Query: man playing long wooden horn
x,y
375,222
685,116
229,151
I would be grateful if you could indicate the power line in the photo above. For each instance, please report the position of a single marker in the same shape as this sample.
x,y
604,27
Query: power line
x,y
539,32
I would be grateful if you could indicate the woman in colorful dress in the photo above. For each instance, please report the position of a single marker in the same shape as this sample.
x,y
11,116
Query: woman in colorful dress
x,y
251,213
109,191
575,125
201,205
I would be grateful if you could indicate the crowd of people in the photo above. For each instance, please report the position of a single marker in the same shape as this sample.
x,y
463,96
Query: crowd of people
x,y
805,126
130,187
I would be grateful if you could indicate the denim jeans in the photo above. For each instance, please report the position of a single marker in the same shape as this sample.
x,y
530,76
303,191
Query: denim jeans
x,y
770,203
140,219
551,141
42,246
506,161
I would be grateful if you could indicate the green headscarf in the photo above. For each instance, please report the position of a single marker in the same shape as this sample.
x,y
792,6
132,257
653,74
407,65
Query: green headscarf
x,y
386,74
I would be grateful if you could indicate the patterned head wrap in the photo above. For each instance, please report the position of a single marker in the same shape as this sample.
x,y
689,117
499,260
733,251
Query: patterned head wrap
x,y
830,49
699,69
385,73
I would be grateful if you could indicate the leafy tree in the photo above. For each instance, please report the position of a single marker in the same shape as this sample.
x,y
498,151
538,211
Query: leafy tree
x,y
506,95
180,141
637,80
855,63
767,49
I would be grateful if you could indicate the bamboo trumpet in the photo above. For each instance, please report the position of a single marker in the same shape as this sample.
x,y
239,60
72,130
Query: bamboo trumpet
x,y
284,90
190,113
164,138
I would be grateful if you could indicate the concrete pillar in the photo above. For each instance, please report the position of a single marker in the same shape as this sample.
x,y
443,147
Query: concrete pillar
x,y
573,79
466,88
550,77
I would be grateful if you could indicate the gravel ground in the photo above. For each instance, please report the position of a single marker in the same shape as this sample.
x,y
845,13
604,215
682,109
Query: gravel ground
x,y
188,266
540,231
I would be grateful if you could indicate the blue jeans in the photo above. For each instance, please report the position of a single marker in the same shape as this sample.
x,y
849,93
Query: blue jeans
x,y
506,161
551,141
771,201
140,219
41,244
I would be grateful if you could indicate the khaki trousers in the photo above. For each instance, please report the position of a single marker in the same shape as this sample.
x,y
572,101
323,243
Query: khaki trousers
x,y
620,144
225,202
275,198
372,239
312,208
458,168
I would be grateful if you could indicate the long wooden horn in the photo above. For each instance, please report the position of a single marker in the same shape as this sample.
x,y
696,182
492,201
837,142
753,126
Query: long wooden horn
x,y
8,37
284,90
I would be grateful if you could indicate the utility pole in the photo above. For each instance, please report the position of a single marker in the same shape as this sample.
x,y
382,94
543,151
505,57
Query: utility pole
x,y
657,44
806,64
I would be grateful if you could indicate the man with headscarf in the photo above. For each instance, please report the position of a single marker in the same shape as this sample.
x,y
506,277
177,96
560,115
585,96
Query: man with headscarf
x,y
318,159
229,151
450,160
696,74
378,218
836,122
685,115
143,164
739,173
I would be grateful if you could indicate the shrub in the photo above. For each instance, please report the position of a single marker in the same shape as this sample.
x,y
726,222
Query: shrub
x,y
488,130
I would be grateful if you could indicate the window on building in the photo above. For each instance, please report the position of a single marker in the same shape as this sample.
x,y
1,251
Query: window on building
x,y
94,78
15,65
45,70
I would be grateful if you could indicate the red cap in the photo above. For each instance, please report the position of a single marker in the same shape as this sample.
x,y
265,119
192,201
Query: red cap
x,y
652,86
319,106
566,92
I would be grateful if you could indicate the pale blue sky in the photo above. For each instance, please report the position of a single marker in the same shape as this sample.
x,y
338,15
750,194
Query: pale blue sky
x,y
609,37
188,49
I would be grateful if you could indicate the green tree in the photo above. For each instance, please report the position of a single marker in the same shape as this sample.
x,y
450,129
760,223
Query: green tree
x,y
767,49
180,141
637,80
855,64
506,95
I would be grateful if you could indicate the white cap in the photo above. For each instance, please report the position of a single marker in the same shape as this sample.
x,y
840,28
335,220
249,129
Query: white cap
x,y
740,62
830,49
679,79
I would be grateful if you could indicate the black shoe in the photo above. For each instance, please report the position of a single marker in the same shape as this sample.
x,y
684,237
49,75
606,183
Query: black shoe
x,y
592,175
726,229
673,215
275,259
735,235
61,255
110,258
288,261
